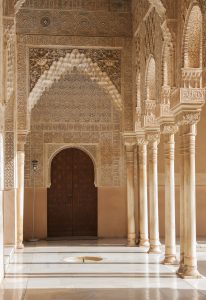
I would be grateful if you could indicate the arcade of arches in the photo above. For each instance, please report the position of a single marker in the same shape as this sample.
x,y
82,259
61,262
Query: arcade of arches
x,y
109,97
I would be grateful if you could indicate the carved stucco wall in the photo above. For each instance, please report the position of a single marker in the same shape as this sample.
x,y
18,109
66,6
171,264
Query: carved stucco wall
x,y
9,104
46,32
104,24
76,112
148,43
156,33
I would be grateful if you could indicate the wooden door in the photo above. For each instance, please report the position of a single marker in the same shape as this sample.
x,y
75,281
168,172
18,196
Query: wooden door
x,y
72,197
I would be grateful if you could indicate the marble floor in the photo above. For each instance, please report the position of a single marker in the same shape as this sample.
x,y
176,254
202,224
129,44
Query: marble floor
x,y
48,271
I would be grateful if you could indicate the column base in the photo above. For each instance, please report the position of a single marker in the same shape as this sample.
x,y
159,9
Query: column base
x,y
144,243
155,249
131,240
170,260
20,246
181,269
131,243
190,273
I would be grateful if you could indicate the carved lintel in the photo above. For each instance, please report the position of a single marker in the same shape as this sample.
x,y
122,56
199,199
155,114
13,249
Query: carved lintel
x,y
169,128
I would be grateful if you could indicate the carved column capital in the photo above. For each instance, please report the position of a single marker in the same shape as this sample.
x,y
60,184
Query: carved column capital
x,y
169,128
153,137
129,140
188,118
21,140
142,141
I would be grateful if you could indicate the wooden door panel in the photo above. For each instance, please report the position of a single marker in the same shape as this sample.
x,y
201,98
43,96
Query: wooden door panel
x,y
72,197
59,202
85,196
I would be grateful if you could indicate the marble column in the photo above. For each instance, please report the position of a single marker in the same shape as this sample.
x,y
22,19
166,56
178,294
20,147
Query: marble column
x,y
190,255
155,246
1,205
131,233
170,231
143,207
182,222
20,193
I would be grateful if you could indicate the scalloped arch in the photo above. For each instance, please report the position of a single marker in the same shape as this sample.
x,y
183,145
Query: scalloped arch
x,y
73,61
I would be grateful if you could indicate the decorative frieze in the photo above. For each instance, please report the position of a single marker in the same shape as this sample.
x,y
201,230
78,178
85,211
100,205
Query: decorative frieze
x,y
92,5
192,95
76,23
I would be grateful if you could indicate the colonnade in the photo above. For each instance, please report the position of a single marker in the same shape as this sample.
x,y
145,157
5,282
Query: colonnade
x,y
147,145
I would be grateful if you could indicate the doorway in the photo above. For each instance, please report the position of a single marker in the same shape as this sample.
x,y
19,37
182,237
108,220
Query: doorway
x,y
72,197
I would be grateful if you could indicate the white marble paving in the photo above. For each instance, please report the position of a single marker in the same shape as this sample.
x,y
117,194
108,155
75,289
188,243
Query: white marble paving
x,y
39,272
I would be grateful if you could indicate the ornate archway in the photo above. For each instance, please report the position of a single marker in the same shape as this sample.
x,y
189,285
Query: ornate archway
x,y
72,196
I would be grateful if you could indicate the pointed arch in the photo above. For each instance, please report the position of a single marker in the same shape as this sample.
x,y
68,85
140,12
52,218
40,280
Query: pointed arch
x,y
138,101
150,79
18,5
168,65
138,86
73,61
192,39
149,105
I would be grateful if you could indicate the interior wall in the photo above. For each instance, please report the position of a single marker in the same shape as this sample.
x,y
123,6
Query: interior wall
x,y
40,227
1,237
9,216
111,212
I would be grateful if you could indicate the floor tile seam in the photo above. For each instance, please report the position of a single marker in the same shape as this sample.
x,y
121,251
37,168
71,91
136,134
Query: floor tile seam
x,y
76,252
93,274
80,263
189,282
25,290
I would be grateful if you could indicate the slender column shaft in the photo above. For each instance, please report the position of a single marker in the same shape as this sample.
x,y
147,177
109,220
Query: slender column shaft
x,y
130,196
153,199
170,232
20,198
144,240
182,222
190,256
